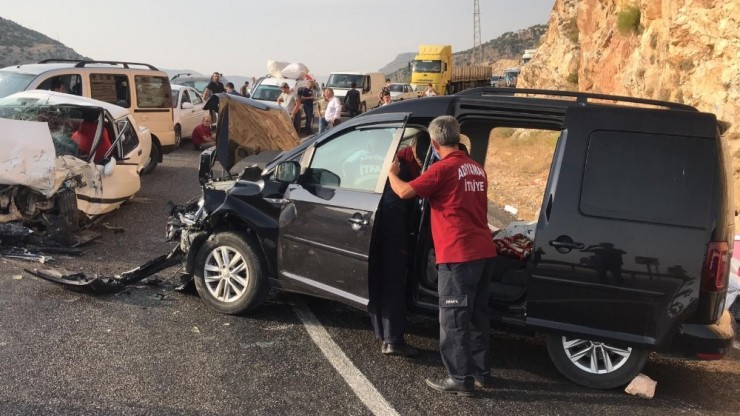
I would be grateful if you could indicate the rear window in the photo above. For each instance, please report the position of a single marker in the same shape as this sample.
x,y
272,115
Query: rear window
x,y
153,92
111,88
647,177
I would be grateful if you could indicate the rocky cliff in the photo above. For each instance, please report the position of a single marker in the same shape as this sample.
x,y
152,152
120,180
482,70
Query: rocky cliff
x,y
686,51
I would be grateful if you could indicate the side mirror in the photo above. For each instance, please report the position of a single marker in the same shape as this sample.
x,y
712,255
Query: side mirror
x,y
186,106
288,172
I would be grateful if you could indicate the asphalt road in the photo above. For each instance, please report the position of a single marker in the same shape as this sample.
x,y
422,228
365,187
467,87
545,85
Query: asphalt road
x,y
154,351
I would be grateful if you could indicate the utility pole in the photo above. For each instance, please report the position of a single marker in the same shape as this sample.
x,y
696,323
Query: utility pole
x,y
477,48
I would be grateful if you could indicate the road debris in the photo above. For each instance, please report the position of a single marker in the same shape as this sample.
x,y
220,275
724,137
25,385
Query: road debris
x,y
115,229
642,386
195,330
17,276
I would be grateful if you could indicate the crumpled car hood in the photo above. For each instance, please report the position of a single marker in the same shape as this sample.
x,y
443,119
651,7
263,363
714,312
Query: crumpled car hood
x,y
251,125
28,157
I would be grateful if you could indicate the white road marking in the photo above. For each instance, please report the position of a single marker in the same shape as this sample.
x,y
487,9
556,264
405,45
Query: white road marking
x,y
362,387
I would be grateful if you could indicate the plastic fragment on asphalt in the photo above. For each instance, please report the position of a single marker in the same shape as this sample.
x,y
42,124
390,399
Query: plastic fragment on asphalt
x,y
195,330
17,276
642,386
511,210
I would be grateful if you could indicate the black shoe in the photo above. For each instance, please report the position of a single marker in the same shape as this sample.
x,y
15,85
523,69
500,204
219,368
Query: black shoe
x,y
403,350
483,381
451,386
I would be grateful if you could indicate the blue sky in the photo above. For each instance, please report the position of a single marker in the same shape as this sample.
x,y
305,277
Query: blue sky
x,y
238,37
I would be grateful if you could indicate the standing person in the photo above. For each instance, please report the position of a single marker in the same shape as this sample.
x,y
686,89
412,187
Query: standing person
x,y
333,111
214,87
289,102
202,138
306,96
321,108
385,89
386,99
352,100
456,189
430,91
244,90
230,89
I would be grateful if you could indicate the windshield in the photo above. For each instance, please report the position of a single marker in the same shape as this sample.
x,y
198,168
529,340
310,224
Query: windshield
x,y
12,82
426,66
174,98
266,93
396,87
345,80
62,120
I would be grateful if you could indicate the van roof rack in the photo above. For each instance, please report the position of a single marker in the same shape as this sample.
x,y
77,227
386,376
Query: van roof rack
x,y
81,64
580,97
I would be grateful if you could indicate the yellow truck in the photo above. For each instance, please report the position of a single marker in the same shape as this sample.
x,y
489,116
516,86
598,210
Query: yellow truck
x,y
433,65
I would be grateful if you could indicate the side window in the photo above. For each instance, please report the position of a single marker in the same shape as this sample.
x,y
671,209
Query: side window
x,y
70,84
185,96
195,97
111,88
648,177
127,136
351,161
152,92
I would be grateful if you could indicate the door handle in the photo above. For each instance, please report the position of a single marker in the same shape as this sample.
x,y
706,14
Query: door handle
x,y
563,244
358,221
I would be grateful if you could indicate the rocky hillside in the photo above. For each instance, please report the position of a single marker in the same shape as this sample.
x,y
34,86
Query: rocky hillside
x,y
501,52
20,45
686,51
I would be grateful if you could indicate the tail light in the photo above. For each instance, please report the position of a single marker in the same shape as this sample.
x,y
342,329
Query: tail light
x,y
714,272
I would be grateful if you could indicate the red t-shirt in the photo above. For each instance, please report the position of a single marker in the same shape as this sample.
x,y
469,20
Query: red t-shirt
x,y
456,187
201,134
407,155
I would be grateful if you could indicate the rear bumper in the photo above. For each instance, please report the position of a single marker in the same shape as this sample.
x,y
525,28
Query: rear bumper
x,y
705,342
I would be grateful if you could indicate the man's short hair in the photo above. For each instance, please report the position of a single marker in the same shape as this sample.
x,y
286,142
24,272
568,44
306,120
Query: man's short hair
x,y
445,130
387,80
354,84
230,85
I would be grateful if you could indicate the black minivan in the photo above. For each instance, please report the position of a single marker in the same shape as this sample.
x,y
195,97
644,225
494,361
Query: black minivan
x,y
630,249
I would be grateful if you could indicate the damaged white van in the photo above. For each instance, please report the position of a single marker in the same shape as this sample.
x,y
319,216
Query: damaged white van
x,y
65,158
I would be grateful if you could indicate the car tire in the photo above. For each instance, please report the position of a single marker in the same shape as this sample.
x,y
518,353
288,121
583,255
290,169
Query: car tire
x,y
154,156
595,364
220,287
178,135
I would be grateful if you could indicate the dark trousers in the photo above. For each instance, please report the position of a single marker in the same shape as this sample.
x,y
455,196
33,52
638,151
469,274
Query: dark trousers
x,y
297,122
464,323
353,111
387,306
308,110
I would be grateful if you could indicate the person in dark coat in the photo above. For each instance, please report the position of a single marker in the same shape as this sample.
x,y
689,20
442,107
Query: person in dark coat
x,y
352,100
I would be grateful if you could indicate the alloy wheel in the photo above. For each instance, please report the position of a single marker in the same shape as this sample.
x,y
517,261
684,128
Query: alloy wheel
x,y
226,274
595,357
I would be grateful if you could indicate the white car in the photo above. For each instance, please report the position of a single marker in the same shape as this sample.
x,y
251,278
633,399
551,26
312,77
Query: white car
x,y
187,112
63,155
400,92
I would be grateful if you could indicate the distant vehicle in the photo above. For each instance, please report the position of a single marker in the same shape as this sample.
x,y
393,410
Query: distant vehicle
x,y
197,81
433,65
510,77
527,55
368,83
400,92
497,81
188,111
139,87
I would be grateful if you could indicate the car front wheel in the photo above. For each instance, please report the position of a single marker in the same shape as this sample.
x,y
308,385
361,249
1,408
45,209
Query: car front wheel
x,y
595,364
153,160
230,273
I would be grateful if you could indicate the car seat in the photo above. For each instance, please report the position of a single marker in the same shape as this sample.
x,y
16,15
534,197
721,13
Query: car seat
x,y
84,137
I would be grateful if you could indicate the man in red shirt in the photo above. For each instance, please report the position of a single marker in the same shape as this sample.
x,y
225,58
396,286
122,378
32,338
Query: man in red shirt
x,y
202,137
456,188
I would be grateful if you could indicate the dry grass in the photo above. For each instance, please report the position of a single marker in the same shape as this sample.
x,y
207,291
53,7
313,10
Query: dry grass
x,y
517,163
